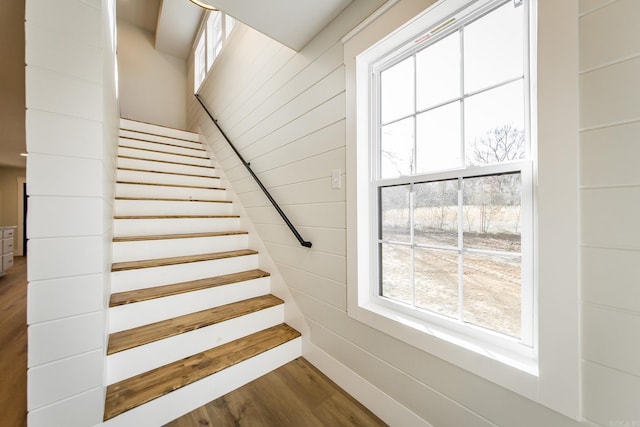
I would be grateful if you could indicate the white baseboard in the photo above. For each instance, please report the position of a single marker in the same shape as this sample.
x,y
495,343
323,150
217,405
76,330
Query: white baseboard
x,y
384,406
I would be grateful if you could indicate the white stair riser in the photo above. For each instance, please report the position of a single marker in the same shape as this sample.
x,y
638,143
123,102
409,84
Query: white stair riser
x,y
153,355
151,165
164,248
160,207
141,190
149,227
160,138
158,130
145,312
168,147
167,178
171,406
129,280
151,155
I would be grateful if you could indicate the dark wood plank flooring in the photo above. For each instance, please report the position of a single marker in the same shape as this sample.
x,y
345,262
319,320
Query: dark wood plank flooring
x,y
295,395
13,345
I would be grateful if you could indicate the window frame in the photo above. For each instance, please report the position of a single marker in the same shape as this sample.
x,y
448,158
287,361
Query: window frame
x,y
524,346
207,47
550,377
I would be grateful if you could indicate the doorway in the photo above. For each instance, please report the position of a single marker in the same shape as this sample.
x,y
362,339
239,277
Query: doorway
x,y
21,241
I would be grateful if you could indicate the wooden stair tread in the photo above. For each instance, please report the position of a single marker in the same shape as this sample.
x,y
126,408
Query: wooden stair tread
x,y
159,134
135,391
135,337
177,236
160,262
164,143
168,173
163,152
164,161
159,184
161,199
130,297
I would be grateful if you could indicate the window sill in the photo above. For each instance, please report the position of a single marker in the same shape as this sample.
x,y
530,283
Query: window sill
x,y
517,372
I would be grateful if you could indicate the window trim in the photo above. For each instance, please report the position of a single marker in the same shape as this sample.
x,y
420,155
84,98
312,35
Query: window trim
x,y
552,377
210,54
523,347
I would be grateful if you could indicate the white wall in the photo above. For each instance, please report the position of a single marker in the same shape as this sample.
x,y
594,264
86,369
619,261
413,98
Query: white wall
x,y
286,113
153,85
610,193
72,121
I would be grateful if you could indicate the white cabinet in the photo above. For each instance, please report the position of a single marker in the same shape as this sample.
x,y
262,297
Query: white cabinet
x,y
6,235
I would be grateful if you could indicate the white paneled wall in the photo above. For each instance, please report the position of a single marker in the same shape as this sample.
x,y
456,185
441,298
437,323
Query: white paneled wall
x,y
610,192
285,111
72,120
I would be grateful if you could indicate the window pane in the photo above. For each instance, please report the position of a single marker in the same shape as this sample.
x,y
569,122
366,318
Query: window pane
x,y
436,213
492,292
436,275
199,65
396,149
438,72
491,212
395,215
396,272
493,48
230,22
494,126
214,37
438,139
397,91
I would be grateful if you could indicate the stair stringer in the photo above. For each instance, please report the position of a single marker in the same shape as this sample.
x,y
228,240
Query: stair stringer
x,y
292,314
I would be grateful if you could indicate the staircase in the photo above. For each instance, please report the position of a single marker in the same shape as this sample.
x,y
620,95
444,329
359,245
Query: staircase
x,y
191,317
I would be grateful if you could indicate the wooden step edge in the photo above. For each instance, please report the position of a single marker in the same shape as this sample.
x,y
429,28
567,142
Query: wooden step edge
x,y
159,184
174,216
160,134
177,236
132,297
168,173
164,143
141,335
165,161
160,199
135,391
163,135
162,262
163,152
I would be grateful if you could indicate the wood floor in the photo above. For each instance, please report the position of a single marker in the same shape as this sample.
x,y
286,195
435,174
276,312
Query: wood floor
x,y
13,345
295,395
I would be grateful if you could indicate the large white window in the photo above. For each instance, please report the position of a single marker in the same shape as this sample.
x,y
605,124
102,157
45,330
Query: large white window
x,y
452,176
213,37
462,198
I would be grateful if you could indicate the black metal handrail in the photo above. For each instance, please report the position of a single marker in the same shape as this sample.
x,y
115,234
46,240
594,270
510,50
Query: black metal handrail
x,y
303,242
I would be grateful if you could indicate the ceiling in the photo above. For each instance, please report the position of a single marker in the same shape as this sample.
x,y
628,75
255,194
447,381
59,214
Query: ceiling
x,y
174,22
291,22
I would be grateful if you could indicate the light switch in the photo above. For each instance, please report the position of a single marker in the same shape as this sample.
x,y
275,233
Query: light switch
x,y
336,178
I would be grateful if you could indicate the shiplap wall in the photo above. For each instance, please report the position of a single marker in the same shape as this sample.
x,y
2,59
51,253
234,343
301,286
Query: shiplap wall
x,y
610,193
286,113
72,123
